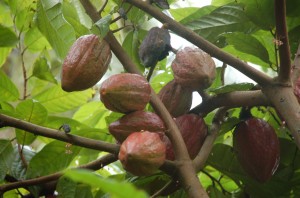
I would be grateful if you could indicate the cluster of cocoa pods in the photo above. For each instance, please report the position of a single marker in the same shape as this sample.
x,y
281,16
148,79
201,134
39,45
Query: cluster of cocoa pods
x,y
144,144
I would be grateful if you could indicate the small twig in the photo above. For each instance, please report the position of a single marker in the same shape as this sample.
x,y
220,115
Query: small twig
x,y
120,17
103,7
121,28
20,151
214,180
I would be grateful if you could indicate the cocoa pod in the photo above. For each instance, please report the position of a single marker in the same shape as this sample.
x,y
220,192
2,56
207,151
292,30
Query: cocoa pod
x,y
142,153
193,130
194,69
136,121
85,64
125,92
177,100
155,46
257,148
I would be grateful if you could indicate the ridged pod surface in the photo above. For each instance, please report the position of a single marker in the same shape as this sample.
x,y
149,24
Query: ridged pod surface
x,y
155,46
193,68
125,92
85,64
177,100
142,153
136,121
257,147
193,130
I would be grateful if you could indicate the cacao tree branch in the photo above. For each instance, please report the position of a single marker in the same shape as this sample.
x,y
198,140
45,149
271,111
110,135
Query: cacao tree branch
x,y
206,46
59,135
231,100
95,165
187,172
283,42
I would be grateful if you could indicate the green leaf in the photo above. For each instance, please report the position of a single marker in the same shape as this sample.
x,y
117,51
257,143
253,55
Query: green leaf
x,y
107,185
160,80
8,90
56,100
103,25
7,37
31,111
69,189
41,70
232,87
6,157
17,169
221,2
216,193
186,15
4,52
228,18
260,12
131,44
35,41
54,157
53,25
248,45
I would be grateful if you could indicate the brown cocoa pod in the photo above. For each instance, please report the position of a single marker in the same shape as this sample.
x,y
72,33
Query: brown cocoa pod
x,y
194,69
136,121
155,46
142,153
125,92
85,64
257,148
177,100
193,130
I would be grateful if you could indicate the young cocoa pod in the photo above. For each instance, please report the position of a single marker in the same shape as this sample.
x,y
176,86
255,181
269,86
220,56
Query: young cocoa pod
x,y
125,92
194,69
178,100
193,130
136,121
155,46
257,147
85,64
142,153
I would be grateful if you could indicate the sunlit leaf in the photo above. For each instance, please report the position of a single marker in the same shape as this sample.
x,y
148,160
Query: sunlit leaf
x,y
54,27
186,15
8,90
41,70
35,41
57,100
4,52
107,185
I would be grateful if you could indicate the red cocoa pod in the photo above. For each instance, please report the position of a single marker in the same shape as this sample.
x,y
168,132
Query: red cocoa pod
x,y
142,153
136,121
257,147
125,93
155,46
85,64
178,100
193,130
193,68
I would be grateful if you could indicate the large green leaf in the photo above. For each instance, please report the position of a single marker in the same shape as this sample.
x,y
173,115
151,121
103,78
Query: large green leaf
x,y
7,37
248,45
8,90
4,52
69,189
31,111
6,157
53,25
54,157
106,185
186,15
228,18
41,70
57,100
35,41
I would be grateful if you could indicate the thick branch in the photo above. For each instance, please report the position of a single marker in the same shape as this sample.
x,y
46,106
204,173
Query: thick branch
x,y
206,46
59,135
232,100
95,165
187,172
283,42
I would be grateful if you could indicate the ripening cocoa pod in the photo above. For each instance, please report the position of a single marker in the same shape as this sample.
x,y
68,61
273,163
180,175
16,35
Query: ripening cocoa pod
x,y
257,147
177,100
155,46
136,121
193,130
85,64
194,69
142,153
125,92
